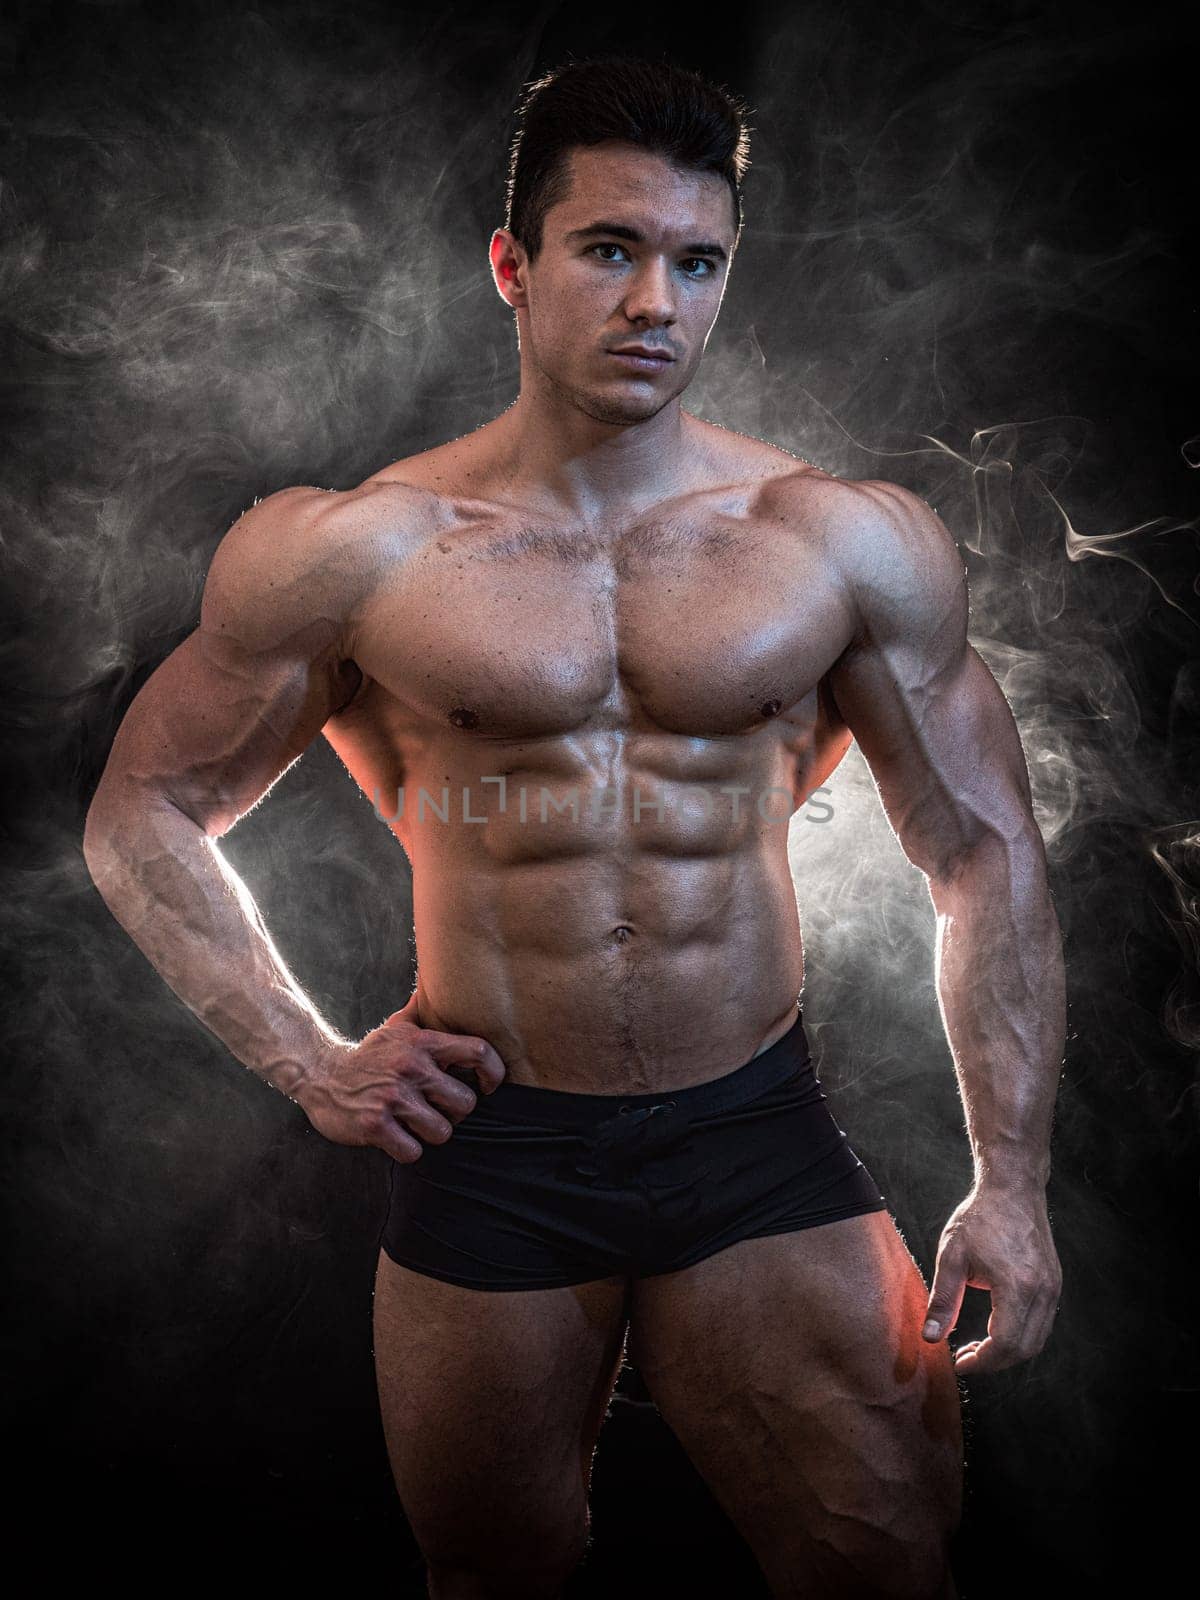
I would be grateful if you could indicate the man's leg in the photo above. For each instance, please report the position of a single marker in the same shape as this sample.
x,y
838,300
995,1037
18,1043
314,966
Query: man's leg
x,y
792,1370
491,1403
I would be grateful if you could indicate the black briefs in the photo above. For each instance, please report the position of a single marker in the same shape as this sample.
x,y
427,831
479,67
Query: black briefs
x,y
538,1188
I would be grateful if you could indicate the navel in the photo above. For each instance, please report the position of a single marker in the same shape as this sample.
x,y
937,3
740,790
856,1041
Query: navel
x,y
622,933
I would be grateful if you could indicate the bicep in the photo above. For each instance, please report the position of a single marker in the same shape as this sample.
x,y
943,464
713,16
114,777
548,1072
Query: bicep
x,y
930,719
243,696
210,733
946,757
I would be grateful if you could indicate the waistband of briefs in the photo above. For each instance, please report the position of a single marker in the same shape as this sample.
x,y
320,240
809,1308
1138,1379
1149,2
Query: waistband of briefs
x,y
563,1108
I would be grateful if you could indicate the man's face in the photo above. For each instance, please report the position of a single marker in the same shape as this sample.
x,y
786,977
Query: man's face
x,y
638,253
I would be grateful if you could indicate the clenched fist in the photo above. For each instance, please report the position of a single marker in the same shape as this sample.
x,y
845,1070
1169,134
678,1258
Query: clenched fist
x,y
392,1089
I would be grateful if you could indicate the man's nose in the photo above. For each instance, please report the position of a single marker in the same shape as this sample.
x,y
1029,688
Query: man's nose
x,y
651,297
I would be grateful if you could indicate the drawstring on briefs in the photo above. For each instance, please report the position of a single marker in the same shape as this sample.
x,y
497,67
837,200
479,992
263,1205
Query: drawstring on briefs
x,y
613,1145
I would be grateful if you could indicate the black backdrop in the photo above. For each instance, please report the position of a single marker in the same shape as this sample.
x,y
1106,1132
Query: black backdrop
x,y
244,246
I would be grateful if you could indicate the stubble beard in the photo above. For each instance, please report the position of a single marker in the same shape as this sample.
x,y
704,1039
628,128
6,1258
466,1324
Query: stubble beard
x,y
617,411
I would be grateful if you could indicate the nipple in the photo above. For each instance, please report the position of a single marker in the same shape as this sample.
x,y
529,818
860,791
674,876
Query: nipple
x,y
464,717
771,708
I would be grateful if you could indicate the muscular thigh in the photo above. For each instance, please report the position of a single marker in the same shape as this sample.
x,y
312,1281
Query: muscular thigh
x,y
793,1371
491,1402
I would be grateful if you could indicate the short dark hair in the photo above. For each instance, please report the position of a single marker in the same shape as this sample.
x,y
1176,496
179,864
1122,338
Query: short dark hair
x,y
658,105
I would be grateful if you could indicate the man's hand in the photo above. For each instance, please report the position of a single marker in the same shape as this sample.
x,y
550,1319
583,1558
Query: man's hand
x,y
388,1087
998,1239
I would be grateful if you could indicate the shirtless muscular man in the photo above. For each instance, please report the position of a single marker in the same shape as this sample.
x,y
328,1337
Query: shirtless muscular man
x,y
586,661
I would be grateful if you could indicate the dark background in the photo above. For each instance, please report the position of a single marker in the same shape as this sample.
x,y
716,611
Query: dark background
x,y
242,247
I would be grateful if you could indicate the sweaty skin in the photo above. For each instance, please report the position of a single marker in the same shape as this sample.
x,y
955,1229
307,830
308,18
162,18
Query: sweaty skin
x,y
627,755
603,650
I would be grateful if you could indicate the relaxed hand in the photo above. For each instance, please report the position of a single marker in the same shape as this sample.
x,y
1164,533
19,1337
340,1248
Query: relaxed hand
x,y
998,1239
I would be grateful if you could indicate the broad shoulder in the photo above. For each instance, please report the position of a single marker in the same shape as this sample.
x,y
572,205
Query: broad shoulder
x,y
896,560
305,553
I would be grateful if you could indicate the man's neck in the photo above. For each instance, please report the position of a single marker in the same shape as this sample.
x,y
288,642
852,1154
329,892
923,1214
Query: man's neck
x,y
551,455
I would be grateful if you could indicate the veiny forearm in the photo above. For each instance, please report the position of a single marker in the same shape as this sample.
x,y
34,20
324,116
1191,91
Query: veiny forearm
x,y
181,902
1002,994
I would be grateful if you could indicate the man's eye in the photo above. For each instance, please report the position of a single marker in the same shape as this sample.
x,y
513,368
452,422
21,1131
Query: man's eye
x,y
694,266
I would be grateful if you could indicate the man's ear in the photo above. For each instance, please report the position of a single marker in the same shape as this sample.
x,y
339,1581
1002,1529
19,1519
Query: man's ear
x,y
509,264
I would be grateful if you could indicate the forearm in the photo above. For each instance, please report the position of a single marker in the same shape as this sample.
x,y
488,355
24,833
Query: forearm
x,y
1002,994
181,902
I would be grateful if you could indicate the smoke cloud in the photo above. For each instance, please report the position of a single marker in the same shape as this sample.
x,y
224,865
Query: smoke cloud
x,y
246,248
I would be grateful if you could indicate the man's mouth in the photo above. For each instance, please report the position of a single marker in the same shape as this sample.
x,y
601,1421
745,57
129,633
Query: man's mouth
x,y
642,358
